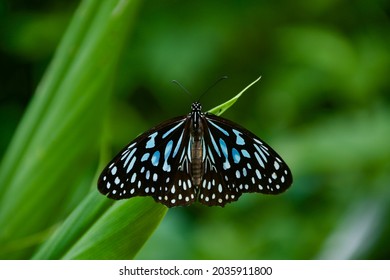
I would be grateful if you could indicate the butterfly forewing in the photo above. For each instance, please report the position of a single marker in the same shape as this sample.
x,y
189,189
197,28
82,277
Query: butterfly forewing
x,y
154,164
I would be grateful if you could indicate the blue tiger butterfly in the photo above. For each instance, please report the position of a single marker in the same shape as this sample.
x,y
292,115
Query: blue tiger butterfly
x,y
197,157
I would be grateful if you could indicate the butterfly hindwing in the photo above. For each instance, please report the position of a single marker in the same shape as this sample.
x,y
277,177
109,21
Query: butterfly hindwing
x,y
154,164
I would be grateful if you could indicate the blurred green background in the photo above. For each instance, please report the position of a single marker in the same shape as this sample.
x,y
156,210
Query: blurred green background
x,y
323,104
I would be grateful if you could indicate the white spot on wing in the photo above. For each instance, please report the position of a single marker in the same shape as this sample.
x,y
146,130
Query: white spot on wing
x,y
258,174
133,178
131,165
259,159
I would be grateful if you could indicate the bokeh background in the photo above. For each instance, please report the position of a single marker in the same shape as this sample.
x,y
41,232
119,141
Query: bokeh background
x,y
323,103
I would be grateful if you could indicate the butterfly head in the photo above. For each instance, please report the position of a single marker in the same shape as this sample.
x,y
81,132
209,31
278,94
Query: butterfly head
x,y
196,107
196,113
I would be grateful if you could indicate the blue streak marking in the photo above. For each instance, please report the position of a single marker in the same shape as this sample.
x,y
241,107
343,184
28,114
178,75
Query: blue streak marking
x,y
171,130
203,150
245,153
239,140
226,164
155,158
150,143
131,165
261,153
124,154
223,147
166,167
214,144
259,160
129,157
189,152
178,145
236,156
145,157
219,128
182,155
168,149
264,148
211,155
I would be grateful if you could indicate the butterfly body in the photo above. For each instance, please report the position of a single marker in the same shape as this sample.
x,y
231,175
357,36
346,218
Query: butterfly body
x,y
198,156
196,144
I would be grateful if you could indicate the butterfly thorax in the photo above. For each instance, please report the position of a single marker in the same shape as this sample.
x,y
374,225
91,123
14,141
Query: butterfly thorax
x,y
196,143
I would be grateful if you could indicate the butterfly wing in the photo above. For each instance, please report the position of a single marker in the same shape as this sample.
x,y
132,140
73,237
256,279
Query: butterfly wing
x,y
236,161
155,164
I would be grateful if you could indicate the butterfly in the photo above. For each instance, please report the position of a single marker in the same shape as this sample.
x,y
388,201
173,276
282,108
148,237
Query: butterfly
x,y
197,157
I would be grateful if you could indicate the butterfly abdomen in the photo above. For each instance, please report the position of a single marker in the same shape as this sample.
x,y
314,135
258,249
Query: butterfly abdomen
x,y
196,149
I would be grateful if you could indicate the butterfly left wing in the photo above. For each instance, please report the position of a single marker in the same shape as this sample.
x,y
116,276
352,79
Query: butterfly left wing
x,y
236,161
154,164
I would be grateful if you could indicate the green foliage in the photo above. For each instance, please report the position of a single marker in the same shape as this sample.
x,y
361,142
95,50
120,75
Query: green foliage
x,y
55,147
95,230
322,103
220,109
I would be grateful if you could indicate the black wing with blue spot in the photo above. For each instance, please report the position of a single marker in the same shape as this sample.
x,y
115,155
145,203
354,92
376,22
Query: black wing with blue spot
x,y
236,161
155,164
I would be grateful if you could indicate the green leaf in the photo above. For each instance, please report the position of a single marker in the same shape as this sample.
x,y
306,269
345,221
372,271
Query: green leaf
x,y
220,109
102,229
120,232
74,227
54,150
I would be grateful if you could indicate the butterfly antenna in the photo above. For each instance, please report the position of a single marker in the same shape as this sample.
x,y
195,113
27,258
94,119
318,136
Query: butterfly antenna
x,y
182,87
213,85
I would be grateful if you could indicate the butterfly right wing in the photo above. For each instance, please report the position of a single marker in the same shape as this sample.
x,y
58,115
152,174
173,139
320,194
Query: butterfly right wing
x,y
155,164
236,162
